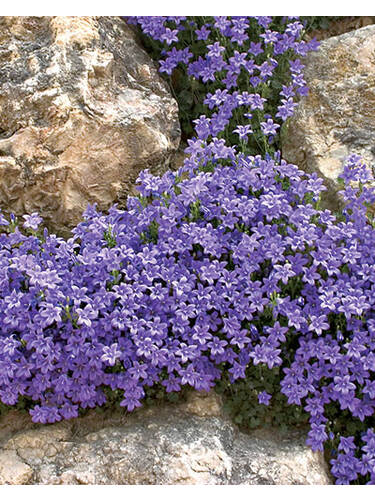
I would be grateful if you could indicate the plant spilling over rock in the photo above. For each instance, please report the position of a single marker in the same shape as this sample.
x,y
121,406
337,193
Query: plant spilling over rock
x,y
223,267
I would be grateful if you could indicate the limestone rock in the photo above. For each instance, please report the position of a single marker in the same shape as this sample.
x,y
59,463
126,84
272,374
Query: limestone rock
x,y
13,470
203,404
189,443
337,117
82,111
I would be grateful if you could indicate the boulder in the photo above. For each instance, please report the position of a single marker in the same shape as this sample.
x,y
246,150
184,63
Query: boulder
x,y
82,111
189,443
337,117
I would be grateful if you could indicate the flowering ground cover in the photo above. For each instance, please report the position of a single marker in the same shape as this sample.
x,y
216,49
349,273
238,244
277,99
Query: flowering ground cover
x,y
222,271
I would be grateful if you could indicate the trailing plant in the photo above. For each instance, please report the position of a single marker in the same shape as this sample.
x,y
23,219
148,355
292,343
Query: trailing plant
x,y
176,40
223,274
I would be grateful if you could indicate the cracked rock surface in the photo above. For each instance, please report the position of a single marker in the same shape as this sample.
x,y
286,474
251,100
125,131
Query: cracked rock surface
x,y
82,111
337,117
189,443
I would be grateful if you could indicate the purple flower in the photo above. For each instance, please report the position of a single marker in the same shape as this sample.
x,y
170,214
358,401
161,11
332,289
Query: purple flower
x,y
264,398
263,21
50,313
243,131
267,355
86,314
347,444
269,127
202,33
167,66
255,48
170,36
257,102
343,384
32,221
3,220
317,436
215,49
111,354
296,66
269,36
318,324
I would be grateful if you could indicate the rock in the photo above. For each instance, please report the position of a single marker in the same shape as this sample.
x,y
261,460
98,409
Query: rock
x,y
82,111
189,443
13,470
337,117
268,458
203,404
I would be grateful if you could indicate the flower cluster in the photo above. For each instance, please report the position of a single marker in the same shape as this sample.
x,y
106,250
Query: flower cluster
x,y
207,269
226,263
239,70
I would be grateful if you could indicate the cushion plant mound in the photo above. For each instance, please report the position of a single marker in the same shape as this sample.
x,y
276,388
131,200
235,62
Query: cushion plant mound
x,y
226,264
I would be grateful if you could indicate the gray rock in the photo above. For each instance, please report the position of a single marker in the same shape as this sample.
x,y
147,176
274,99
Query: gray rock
x,y
192,443
82,111
337,117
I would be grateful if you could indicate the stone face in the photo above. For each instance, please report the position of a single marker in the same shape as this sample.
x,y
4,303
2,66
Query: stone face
x,y
13,470
337,117
82,111
189,443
